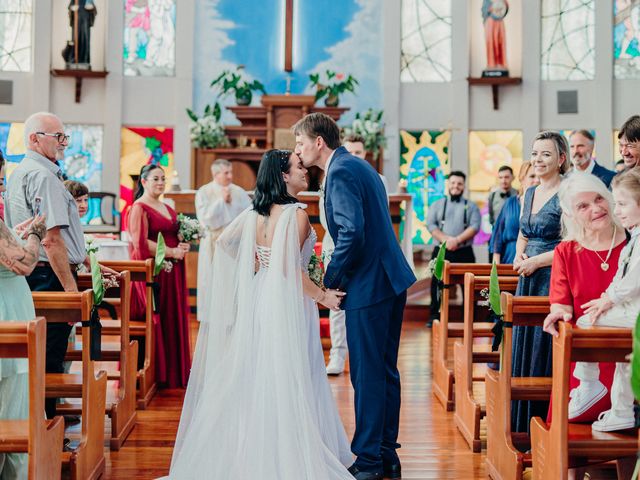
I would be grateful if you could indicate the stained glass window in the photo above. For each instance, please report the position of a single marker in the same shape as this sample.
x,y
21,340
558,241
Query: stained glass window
x,y
12,145
568,40
141,146
83,157
149,38
488,151
15,35
424,163
626,38
426,41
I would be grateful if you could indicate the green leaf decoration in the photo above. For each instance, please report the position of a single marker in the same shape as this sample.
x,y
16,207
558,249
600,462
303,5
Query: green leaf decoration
x,y
192,115
635,360
164,160
494,290
161,250
439,266
96,280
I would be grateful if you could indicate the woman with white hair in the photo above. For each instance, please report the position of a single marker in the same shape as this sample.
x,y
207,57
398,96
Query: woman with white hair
x,y
584,264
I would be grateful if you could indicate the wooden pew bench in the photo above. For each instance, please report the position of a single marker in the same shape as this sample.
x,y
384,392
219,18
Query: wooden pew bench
x,y
40,438
121,399
506,459
87,460
469,410
443,329
140,271
564,445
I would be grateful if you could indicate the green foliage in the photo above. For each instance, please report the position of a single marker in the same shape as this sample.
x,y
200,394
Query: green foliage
x,y
494,290
96,279
369,126
438,268
161,249
635,360
207,131
334,84
233,82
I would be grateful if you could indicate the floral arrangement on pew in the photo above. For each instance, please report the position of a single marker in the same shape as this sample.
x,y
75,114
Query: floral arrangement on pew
x,y
493,296
316,270
370,127
207,131
436,268
332,86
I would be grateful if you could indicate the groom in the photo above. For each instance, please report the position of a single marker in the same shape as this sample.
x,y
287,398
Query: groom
x,y
369,266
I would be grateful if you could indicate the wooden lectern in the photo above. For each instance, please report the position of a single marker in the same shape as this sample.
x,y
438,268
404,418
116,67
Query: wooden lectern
x,y
262,128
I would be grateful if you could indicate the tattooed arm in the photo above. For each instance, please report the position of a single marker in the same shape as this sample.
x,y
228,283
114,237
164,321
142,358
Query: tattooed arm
x,y
17,258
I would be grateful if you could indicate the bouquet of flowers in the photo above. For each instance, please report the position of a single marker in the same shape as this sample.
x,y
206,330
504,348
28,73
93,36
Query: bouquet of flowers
x,y
315,270
207,131
189,229
370,127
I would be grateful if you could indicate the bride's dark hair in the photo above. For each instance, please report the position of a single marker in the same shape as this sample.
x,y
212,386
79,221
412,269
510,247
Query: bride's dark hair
x,y
270,185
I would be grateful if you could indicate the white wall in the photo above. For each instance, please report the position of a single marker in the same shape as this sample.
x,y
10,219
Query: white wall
x,y
603,103
116,100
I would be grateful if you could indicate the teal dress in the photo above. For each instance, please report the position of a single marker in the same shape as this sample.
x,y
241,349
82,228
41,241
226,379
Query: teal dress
x,y
15,304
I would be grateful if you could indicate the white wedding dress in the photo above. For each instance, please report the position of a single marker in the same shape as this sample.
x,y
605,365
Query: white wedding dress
x,y
258,403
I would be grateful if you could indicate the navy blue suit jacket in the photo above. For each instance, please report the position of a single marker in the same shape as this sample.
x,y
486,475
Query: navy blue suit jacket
x,y
603,174
367,261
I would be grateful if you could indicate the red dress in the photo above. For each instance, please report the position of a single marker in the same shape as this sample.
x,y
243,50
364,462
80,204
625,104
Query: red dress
x,y
173,360
576,278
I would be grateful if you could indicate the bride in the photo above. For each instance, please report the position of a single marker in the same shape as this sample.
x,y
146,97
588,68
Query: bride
x,y
258,403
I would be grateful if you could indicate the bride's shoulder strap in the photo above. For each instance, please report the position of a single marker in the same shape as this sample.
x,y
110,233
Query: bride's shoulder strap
x,y
296,205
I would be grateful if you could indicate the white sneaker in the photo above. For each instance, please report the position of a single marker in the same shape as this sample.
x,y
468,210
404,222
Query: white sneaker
x,y
608,421
335,366
584,397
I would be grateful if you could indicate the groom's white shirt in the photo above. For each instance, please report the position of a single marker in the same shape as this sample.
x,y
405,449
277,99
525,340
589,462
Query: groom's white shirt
x,y
327,242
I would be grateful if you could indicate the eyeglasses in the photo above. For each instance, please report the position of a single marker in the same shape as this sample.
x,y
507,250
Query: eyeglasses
x,y
61,137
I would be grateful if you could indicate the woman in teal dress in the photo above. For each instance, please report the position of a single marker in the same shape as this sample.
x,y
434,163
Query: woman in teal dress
x,y
17,258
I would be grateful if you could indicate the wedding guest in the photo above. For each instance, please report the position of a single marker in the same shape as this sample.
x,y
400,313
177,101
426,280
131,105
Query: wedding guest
x,y
218,203
149,217
17,259
539,235
502,193
455,220
581,143
629,142
80,193
354,144
505,231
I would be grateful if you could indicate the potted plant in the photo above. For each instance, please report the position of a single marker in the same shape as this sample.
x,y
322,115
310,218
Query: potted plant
x,y
233,82
207,131
332,86
369,126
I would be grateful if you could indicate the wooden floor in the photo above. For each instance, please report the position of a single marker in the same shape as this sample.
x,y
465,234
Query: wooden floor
x,y
432,448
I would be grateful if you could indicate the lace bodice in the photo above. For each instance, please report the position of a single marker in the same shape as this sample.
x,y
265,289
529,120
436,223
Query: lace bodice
x,y
264,253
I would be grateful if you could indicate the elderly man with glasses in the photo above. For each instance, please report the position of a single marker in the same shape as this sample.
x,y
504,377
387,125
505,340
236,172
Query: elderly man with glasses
x,y
36,187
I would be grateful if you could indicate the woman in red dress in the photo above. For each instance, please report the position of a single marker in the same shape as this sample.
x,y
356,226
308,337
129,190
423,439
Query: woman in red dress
x,y
583,266
147,218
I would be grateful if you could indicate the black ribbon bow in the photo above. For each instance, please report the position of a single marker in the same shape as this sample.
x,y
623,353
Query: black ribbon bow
x,y
95,334
498,329
155,286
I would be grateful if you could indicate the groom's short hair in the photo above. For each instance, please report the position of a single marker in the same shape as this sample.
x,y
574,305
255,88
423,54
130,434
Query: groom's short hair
x,y
319,125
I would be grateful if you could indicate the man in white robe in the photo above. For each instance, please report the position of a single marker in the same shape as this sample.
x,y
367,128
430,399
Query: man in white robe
x,y
217,204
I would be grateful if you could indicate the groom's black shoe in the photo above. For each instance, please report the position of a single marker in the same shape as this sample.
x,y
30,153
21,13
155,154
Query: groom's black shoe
x,y
360,475
392,471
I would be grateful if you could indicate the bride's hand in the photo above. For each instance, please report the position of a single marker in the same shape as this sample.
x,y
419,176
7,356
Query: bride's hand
x,y
332,299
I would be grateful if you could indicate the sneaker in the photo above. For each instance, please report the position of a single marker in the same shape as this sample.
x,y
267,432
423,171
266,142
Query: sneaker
x,y
608,421
584,397
335,366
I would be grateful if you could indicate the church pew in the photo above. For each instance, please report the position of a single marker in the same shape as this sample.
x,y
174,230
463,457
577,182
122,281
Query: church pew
x,y
442,330
40,438
506,459
121,403
141,271
468,409
87,461
564,445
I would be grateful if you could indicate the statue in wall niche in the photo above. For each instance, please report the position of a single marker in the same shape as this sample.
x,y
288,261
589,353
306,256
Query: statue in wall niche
x,y
77,53
493,13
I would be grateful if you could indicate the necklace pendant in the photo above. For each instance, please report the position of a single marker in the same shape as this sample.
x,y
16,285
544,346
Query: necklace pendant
x,y
604,266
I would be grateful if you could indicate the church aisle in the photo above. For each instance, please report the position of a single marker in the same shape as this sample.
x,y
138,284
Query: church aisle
x,y
432,448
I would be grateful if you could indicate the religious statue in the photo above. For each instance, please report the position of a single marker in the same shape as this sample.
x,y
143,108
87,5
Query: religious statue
x,y
77,53
493,13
